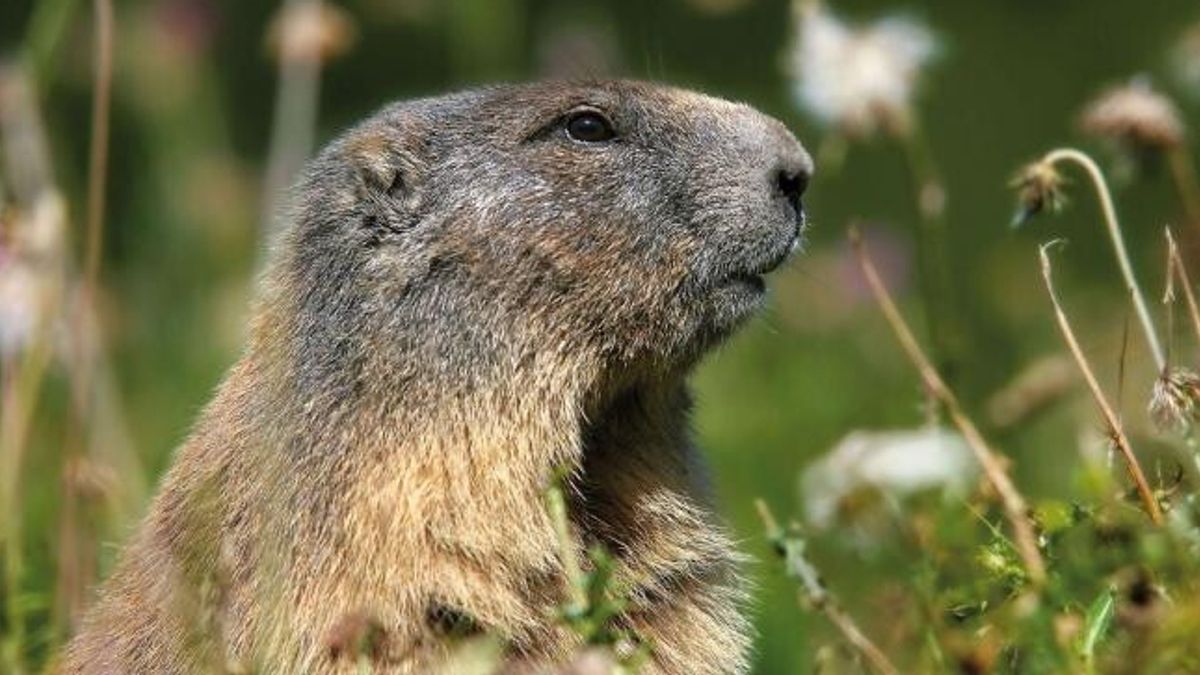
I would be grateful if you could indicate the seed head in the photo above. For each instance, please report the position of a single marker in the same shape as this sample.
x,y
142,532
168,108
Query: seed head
x,y
1039,187
1135,116
1175,400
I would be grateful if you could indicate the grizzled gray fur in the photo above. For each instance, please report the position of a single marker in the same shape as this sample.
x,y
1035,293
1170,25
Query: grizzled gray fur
x,y
472,291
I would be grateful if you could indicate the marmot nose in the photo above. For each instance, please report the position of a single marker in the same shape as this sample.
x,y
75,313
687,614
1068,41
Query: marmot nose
x,y
789,169
791,180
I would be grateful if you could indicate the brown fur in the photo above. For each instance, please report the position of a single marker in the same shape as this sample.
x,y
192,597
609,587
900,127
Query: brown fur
x,y
467,299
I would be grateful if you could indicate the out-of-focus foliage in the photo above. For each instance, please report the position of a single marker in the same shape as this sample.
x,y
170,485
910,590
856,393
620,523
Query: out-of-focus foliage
x,y
931,579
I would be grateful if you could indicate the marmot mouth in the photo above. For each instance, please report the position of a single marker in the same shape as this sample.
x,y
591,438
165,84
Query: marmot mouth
x,y
754,282
779,257
752,275
771,262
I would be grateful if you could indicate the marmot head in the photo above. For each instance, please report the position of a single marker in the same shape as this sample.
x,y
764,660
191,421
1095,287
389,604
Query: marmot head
x,y
627,219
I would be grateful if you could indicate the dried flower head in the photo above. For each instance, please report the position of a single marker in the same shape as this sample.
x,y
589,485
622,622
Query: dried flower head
x,y
858,79
311,31
1135,116
1175,400
1039,188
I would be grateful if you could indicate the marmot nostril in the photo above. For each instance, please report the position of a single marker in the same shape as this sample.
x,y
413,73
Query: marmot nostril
x,y
791,185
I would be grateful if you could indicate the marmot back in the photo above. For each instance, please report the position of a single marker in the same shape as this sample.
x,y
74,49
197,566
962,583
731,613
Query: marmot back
x,y
473,290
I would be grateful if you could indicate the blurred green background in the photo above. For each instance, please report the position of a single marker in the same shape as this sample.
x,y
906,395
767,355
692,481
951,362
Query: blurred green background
x,y
194,95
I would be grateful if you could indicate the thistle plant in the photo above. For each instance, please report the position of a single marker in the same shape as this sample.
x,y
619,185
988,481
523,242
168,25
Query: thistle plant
x,y
1039,186
1175,402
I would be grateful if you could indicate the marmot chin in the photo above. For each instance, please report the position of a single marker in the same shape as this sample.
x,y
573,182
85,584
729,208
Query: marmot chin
x,y
472,291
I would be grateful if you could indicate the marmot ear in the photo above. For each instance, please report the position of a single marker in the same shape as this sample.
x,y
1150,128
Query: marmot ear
x,y
386,170
381,175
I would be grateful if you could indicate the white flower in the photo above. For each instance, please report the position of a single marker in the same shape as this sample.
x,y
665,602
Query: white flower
x,y
895,463
859,79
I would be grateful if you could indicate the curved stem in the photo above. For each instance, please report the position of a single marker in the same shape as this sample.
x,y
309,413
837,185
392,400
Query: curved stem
x,y
1118,242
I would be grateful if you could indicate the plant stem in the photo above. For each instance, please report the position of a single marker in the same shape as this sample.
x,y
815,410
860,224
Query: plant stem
x,y
293,127
557,504
791,549
993,468
98,159
1177,267
1183,174
76,568
1115,430
929,196
1118,243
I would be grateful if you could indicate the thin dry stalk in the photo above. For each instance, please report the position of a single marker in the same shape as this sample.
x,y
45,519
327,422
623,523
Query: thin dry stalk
x,y
1183,174
1118,243
1025,540
97,182
98,158
1180,271
1115,430
814,593
295,118
929,195
75,542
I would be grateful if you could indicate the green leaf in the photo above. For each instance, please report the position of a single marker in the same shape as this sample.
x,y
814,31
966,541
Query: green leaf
x,y
1096,623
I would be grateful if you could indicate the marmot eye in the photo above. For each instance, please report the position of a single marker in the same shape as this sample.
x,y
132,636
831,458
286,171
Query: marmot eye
x,y
589,127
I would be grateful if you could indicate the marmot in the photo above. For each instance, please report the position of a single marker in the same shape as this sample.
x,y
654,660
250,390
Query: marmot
x,y
472,290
